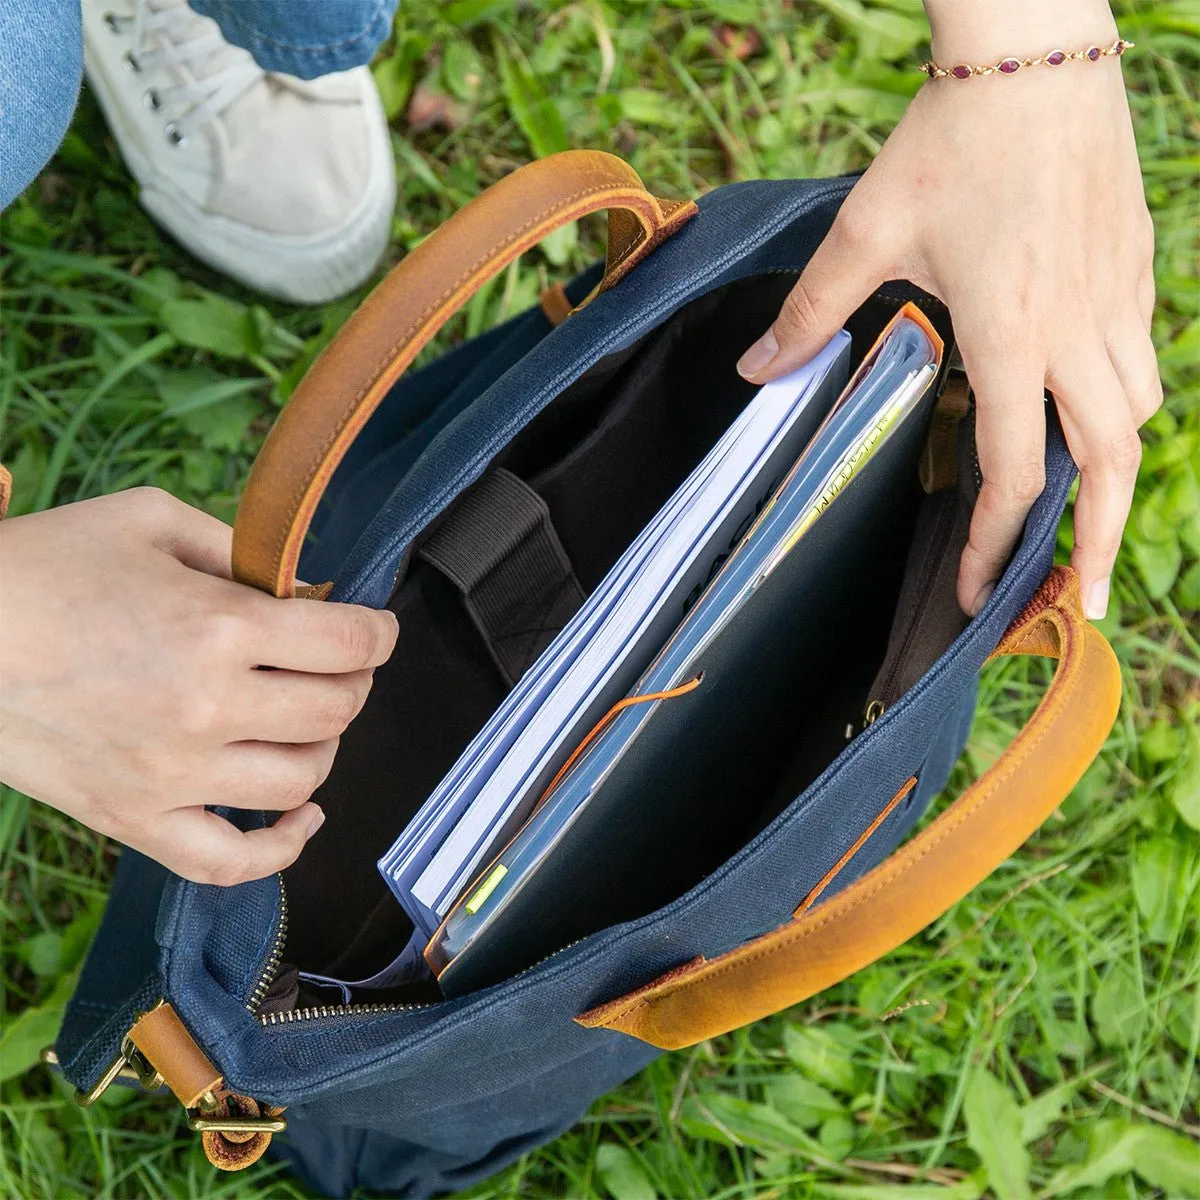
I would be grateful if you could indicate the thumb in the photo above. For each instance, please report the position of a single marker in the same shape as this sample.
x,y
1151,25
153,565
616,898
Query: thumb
x,y
205,848
839,277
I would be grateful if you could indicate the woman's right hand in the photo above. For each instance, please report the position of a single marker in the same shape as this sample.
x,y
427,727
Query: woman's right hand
x,y
130,691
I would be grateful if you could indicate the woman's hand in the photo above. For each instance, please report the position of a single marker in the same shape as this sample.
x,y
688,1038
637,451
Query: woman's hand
x,y
1017,200
129,694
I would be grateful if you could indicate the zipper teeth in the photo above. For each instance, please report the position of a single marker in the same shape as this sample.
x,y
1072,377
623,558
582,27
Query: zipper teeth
x,y
332,1010
271,967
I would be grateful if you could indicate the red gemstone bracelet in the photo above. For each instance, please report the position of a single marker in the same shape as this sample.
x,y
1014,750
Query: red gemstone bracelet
x,y
1009,66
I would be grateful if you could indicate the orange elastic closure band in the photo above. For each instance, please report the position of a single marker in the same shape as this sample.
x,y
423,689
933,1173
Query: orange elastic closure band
x,y
606,720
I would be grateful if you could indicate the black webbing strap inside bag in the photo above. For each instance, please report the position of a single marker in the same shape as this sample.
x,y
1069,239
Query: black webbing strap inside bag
x,y
499,548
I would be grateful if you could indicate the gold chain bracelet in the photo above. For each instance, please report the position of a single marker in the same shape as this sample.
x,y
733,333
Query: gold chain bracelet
x,y
1009,66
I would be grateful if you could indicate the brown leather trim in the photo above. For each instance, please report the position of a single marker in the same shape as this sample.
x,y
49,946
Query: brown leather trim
x,y
167,1046
236,1151
863,838
5,490
929,873
356,370
555,305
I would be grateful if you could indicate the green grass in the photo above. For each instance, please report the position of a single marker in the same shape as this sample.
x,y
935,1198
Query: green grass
x,y
1042,1037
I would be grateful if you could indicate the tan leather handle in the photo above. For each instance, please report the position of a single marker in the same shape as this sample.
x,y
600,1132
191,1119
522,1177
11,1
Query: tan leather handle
x,y
352,375
823,945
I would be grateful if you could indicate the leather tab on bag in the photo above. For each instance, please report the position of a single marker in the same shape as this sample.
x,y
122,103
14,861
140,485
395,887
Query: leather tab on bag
x,y
163,1040
556,306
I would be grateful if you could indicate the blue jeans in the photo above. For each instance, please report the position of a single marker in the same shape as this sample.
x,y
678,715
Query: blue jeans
x,y
41,61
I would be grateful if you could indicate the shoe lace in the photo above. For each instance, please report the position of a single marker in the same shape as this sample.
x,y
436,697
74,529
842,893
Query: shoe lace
x,y
167,34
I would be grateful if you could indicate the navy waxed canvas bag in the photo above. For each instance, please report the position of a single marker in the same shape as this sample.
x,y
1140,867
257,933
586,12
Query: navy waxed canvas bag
x,y
601,400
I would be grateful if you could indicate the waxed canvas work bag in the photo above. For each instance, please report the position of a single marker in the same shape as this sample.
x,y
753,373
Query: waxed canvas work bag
x,y
599,400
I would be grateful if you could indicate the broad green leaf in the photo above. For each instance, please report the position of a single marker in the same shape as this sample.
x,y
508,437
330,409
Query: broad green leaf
x,y
190,388
994,1124
1042,1111
1161,866
1153,521
1158,563
1168,1161
644,107
471,12
1118,1007
156,286
970,1188
212,323
223,426
1182,494
803,1101
533,110
462,69
1189,534
43,953
1187,589
1164,1159
735,12
821,1056
558,244
622,1174
1184,787
881,33
25,1036
730,1120
838,1136
1183,1019
1161,743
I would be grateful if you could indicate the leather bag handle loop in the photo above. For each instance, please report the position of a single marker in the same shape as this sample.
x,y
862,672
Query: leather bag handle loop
x,y
824,944
353,374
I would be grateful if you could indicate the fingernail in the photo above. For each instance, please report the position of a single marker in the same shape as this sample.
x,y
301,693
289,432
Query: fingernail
x,y
317,821
759,357
985,594
1097,600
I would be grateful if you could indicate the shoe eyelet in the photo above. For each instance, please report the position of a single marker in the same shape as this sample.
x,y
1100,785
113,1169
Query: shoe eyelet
x,y
152,100
132,63
174,135
114,22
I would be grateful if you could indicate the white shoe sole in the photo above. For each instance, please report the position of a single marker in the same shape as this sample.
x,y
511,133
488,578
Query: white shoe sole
x,y
304,270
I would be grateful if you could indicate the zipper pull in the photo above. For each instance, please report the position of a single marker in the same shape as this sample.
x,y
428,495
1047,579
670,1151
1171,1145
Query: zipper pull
x,y
871,714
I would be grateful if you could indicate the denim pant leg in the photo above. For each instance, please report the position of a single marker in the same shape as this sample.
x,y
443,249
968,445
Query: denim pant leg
x,y
41,60
303,37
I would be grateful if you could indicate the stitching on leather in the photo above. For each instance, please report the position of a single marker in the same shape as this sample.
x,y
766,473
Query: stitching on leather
x,y
652,239
1024,742
294,504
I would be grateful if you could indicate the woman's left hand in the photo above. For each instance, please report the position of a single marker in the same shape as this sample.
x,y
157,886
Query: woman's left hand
x,y
1016,200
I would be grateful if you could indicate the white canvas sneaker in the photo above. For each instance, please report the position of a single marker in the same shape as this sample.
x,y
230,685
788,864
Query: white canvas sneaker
x,y
284,184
